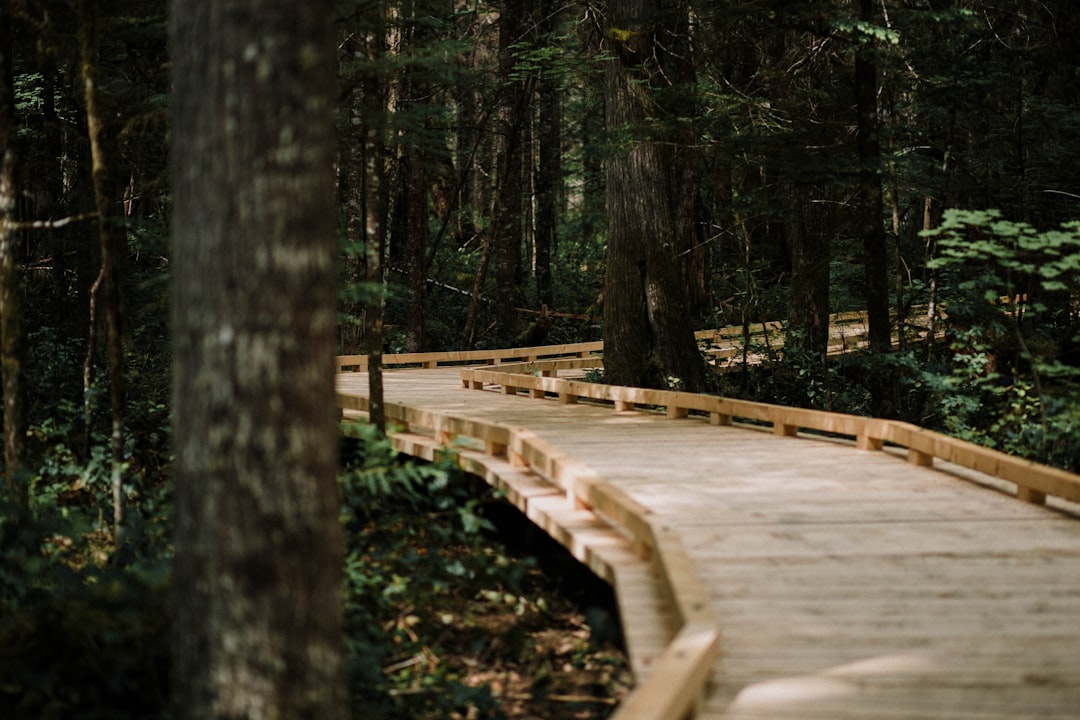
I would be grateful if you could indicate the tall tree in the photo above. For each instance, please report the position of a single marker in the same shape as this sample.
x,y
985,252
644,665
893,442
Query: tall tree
x,y
648,334
258,542
111,240
11,312
871,227
507,215
549,154
373,106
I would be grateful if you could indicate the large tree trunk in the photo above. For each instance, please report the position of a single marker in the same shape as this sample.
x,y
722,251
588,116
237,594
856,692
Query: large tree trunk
x,y
648,333
258,542
12,344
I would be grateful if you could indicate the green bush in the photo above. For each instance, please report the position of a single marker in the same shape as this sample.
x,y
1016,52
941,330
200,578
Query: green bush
x,y
1010,380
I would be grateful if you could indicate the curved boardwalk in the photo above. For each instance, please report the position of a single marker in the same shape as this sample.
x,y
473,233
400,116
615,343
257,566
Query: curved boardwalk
x,y
844,583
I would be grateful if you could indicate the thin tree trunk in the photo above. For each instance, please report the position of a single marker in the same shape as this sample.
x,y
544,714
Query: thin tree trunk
x,y
871,201
549,165
870,214
506,221
415,180
12,340
808,305
468,334
686,158
107,287
374,109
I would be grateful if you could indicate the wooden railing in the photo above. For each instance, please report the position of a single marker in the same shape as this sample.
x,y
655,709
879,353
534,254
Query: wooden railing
x,y
677,680
1033,481
460,357
723,347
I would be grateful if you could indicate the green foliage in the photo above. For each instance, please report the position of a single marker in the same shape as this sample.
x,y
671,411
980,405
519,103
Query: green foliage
x,y
866,31
1011,382
798,378
413,534
84,626
90,643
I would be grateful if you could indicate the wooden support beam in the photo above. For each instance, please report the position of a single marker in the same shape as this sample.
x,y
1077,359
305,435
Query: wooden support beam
x,y
784,429
1030,496
866,441
719,418
922,459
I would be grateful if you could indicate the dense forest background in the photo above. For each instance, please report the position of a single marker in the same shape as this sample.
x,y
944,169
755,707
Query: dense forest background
x,y
550,171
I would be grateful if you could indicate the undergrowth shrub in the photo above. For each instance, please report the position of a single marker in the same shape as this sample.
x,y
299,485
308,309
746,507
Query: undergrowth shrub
x,y
1010,376
415,534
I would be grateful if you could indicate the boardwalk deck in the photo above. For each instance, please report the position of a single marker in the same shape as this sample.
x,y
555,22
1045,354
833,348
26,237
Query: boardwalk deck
x,y
846,583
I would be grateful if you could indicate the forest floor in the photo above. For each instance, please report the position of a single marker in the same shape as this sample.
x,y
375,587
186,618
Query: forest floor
x,y
550,651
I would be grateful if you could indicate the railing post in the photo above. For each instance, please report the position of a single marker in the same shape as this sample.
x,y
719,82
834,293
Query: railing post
x,y
1029,495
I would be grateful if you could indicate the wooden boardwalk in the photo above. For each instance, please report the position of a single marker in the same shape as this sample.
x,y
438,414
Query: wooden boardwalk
x,y
839,582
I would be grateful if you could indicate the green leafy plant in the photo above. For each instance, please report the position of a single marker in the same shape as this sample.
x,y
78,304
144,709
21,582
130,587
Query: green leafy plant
x,y
414,532
1008,289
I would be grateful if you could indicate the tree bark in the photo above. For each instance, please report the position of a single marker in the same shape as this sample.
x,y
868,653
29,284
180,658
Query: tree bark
x,y
549,164
681,100
648,334
808,303
374,108
105,292
415,184
871,201
506,221
12,333
870,221
258,544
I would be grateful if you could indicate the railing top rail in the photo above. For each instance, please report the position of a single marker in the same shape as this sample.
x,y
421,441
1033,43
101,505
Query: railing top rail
x,y
1033,481
841,326
452,357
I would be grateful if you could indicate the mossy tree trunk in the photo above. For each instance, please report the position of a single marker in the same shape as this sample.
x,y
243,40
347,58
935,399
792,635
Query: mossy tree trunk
x,y
258,543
